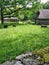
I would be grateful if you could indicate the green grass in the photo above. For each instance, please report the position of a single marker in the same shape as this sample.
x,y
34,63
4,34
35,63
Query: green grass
x,y
20,39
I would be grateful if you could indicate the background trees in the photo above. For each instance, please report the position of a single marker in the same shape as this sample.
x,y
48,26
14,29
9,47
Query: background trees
x,y
46,5
22,9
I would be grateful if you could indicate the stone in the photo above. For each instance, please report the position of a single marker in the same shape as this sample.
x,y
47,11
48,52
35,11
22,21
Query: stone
x,y
20,57
30,61
29,54
27,61
36,62
13,62
7,63
46,64
18,63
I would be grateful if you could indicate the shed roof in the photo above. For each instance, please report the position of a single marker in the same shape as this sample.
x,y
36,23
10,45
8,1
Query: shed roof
x,y
44,14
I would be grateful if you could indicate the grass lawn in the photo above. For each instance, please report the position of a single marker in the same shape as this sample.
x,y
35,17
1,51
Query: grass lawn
x,y
20,39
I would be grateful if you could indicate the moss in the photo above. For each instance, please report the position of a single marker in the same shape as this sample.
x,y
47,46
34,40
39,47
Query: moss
x,y
44,54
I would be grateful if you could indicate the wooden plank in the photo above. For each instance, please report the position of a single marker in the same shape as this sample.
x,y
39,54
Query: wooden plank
x,y
11,19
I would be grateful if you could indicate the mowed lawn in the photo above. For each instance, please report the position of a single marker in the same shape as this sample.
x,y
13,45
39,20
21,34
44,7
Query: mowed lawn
x,y
20,39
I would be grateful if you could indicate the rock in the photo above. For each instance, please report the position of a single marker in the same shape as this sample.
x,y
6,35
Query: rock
x,y
29,54
20,57
13,62
30,62
18,63
36,62
46,64
27,61
7,63
38,57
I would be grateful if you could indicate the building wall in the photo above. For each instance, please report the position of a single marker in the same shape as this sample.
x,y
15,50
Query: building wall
x,y
39,22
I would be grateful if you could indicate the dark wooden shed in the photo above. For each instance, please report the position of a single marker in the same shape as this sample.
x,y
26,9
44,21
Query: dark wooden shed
x,y
43,17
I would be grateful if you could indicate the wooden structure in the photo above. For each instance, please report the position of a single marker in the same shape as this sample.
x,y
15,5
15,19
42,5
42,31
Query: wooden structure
x,y
43,17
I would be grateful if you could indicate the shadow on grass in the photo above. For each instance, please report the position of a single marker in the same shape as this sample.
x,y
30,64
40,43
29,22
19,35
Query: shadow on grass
x,y
14,24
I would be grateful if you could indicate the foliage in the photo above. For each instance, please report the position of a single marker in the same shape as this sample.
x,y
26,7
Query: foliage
x,y
46,5
14,7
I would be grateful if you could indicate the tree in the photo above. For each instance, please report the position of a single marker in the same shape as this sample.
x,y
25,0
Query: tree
x,y
12,9
1,6
46,5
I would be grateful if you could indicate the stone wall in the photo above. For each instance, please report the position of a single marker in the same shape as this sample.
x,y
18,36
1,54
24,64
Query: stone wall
x,y
26,59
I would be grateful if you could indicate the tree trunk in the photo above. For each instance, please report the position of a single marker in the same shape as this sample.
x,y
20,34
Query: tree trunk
x,y
2,14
